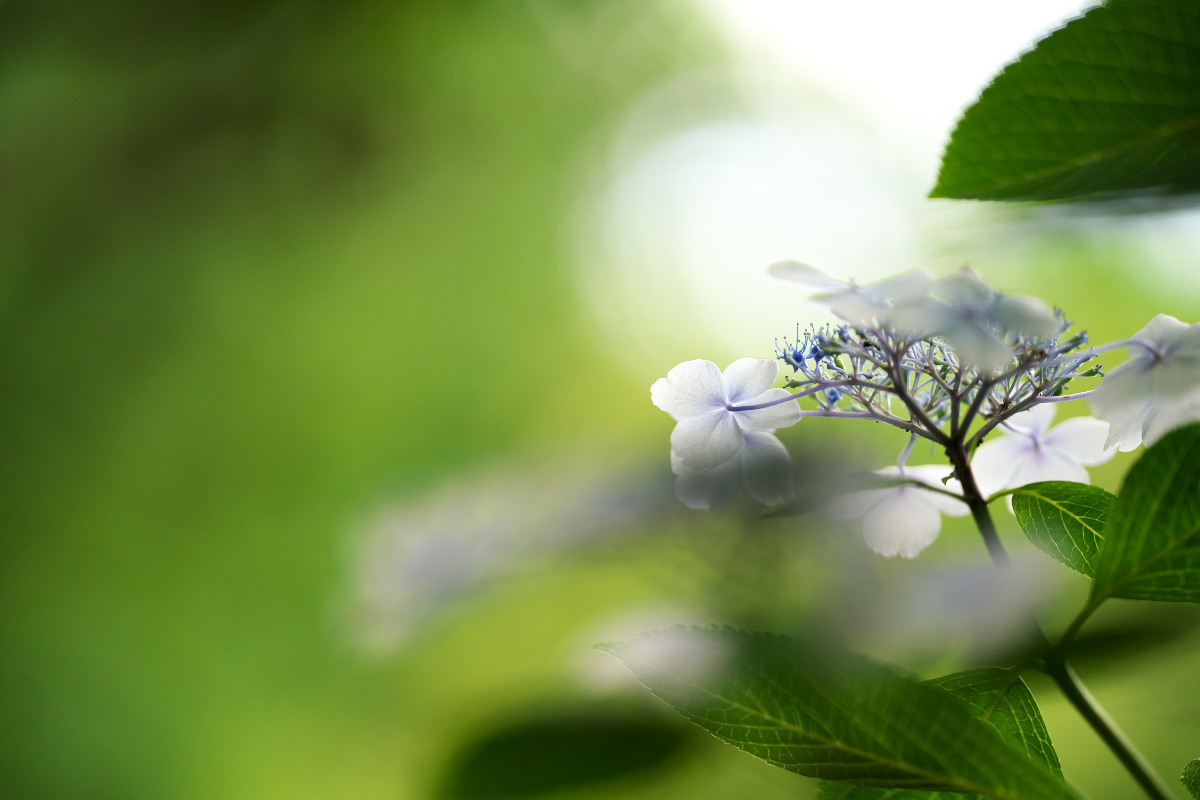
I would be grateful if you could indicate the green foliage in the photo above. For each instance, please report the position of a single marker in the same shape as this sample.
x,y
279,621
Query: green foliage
x,y
1064,520
564,750
993,696
1151,548
832,715
1191,777
1108,103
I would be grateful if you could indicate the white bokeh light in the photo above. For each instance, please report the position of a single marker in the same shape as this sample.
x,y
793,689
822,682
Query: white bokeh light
x,y
688,222
818,142
911,67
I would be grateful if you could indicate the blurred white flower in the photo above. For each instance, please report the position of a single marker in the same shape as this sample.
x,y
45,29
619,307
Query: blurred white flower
x,y
762,466
1028,450
902,520
711,407
416,561
961,308
858,305
1155,391
976,319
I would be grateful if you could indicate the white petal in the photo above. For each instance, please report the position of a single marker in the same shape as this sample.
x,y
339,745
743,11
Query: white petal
x,y
693,387
904,524
1125,429
1036,420
1025,315
1166,417
922,316
966,289
1187,343
749,377
903,288
767,468
995,462
808,276
882,302
854,307
1045,464
1162,332
1081,439
708,440
707,489
857,504
1174,378
772,417
977,345
1123,400
932,474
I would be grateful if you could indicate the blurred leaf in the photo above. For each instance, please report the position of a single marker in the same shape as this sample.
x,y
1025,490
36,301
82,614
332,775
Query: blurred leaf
x,y
830,715
561,751
992,696
1151,548
1138,634
1191,777
1064,520
1107,103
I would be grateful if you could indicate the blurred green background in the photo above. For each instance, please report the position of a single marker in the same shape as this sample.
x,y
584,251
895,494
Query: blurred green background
x,y
282,280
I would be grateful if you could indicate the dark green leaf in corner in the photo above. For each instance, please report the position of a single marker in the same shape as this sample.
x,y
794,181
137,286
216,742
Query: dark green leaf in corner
x,y
831,715
1151,548
1191,778
1109,103
1064,520
992,696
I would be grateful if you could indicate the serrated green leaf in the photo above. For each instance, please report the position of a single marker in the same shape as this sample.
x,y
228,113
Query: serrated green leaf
x,y
1191,778
992,696
1108,103
833,716
1151,548
1064,520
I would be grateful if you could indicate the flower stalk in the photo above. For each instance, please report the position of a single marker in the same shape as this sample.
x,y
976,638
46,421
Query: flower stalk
x,y
1135,764
1054,662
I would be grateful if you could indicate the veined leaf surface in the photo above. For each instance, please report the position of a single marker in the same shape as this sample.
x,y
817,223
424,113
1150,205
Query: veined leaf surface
x,y
831,715
1110,102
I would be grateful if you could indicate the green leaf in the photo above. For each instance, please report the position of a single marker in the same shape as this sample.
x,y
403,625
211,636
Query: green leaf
x,y
1064,520
831,715
1136,630
1191,778
562,749
992,696
1151,548
1108,103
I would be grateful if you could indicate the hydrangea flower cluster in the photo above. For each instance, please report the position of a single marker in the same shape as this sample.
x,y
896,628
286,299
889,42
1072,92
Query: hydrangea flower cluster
x,y
949,360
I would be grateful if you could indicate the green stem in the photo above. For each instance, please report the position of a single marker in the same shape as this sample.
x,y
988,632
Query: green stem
x,y
1077,625
1055,664
1106,729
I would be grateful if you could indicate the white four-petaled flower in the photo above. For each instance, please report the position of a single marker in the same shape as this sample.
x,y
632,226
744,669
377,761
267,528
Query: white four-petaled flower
x,y
1155,391
902,520
976,319
1029,450
708,406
